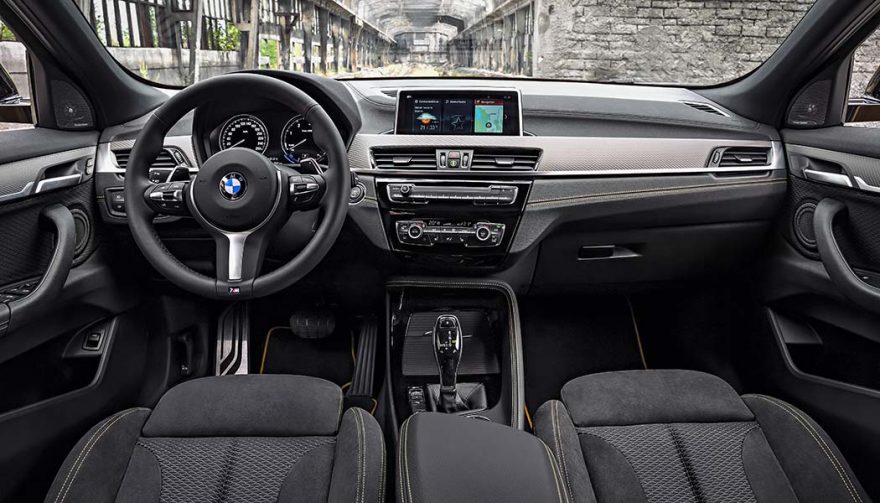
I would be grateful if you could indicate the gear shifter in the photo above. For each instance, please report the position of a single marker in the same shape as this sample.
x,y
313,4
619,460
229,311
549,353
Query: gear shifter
x,y
448,343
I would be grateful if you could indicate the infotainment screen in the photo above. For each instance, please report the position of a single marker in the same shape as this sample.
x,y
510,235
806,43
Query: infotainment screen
x,y
458,112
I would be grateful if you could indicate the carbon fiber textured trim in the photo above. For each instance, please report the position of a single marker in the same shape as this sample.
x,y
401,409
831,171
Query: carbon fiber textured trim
x,y
15,176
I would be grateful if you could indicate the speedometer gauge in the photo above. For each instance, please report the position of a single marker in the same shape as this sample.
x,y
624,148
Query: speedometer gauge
x,y
297,141
244,131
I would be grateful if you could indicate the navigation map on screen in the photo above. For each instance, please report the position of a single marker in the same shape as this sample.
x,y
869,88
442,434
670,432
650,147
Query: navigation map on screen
x,y
488,116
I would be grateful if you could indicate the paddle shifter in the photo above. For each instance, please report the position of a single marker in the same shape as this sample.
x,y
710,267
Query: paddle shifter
x,y
448,342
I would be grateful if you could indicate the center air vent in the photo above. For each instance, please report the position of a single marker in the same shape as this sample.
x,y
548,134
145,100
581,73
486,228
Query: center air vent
x,y
525,159
404,158
166,159
738,157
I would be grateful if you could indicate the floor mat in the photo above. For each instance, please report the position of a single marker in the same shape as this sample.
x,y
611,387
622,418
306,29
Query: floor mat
x,y
329,358
564,338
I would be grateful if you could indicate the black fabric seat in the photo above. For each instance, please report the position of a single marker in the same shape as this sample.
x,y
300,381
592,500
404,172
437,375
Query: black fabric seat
x,y
253,439
682,436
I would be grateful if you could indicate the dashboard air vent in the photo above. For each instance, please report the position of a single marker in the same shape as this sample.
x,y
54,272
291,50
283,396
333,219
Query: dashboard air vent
x,y
165,159
738,157
389,92
705,107
525,159
404,158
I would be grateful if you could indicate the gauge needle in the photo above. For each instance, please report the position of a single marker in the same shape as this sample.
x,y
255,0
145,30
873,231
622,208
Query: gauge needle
x,y
239,142
298,144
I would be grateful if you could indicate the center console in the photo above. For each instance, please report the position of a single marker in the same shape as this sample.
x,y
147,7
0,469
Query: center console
x,y
453,198
454,347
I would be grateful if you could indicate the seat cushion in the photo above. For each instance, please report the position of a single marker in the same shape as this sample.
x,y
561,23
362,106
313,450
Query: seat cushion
x,y
261,439
684,436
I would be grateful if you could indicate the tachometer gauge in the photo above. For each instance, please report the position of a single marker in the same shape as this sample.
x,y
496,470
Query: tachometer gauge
x,y
297,141
244,131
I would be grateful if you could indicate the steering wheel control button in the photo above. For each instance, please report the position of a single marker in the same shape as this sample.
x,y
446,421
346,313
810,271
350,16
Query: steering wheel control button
x,y
233,186
305,189
168,198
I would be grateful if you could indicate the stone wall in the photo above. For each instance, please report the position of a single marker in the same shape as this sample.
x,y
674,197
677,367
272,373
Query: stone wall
x,y
661,41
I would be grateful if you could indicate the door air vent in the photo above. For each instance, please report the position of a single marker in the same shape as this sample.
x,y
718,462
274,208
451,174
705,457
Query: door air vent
x,y
521,159
165,160
706,107
739,157
404,158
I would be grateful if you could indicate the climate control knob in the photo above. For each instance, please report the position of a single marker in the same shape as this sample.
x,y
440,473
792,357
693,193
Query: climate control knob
x,y
483,232
415,231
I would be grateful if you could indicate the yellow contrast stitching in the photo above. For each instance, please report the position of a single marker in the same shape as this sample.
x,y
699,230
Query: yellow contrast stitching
x,y
86,455
821,445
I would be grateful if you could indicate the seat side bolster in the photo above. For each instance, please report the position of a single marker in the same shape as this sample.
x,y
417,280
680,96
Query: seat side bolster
x,y
94,469
360,462
553,425
810,459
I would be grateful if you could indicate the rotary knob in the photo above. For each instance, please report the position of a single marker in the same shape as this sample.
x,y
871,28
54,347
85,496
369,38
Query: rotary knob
x,y
483,233
415,231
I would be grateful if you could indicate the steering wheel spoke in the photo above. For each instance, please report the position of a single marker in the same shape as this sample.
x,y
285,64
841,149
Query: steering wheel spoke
x,y
168,198
306,191
239,256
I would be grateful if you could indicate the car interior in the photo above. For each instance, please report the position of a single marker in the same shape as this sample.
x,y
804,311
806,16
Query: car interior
x,y
282,283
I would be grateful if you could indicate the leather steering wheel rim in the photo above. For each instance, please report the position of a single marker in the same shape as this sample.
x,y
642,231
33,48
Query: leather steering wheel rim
x,y
150,142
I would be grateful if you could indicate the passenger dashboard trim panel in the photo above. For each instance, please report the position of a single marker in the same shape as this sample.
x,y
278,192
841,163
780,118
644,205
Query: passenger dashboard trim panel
x,y
593,156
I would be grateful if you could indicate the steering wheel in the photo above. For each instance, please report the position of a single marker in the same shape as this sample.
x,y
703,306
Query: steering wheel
x,y
239,196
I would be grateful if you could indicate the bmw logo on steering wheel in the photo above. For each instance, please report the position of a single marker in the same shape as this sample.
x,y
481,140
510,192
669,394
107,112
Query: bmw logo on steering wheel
x,y
233,185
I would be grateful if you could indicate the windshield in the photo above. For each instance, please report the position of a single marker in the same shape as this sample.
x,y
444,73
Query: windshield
x,y
682,42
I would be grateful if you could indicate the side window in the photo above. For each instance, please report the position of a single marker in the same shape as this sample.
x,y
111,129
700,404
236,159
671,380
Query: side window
x,y
864,84
15,92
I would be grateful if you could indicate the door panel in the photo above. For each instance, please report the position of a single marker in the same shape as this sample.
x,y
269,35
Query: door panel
x,y
56,290
822,290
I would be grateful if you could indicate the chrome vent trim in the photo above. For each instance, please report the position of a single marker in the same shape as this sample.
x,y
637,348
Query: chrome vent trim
x,y
706,107
505,159
403,158
165,160
736,157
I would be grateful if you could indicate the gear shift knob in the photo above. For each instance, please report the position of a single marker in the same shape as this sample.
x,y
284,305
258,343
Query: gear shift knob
x,y
448,343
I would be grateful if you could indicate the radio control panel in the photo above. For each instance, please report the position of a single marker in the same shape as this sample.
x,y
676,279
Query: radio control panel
x,y
436,232
414,193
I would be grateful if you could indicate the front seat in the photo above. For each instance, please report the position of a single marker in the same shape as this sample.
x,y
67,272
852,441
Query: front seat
x,y
249,438
682,436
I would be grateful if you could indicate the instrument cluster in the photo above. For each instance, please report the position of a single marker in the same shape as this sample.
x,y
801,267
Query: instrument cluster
x,y
279,136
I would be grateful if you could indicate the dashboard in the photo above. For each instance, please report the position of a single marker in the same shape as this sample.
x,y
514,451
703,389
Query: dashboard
x,y
564,183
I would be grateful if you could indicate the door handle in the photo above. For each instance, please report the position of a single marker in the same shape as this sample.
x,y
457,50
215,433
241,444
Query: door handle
x,y
57,182
841,274
828,177
22,310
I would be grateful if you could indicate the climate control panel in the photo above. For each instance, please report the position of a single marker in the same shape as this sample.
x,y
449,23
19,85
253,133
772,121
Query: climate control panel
x,y
439,232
